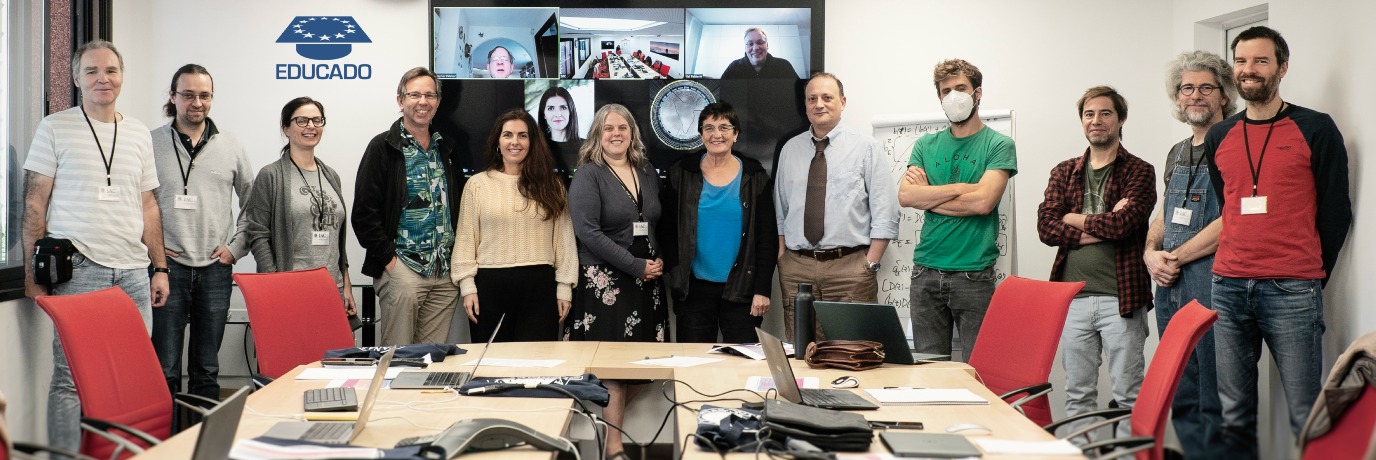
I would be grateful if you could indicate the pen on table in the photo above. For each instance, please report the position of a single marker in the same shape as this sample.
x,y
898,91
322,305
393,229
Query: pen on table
x,y
659,357
903,388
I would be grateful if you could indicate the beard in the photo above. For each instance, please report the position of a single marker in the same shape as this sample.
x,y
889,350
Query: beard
x,y
1101,142
1197,118
1260,93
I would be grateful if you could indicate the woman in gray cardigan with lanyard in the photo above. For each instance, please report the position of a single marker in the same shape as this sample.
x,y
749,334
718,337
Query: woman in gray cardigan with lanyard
x,y
293,219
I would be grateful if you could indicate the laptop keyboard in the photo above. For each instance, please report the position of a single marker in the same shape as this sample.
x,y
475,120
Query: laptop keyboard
x,y
328,432
331,399
444,379
820,398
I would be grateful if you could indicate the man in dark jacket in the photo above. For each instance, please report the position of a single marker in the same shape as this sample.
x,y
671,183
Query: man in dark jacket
x,y
406,203
757,62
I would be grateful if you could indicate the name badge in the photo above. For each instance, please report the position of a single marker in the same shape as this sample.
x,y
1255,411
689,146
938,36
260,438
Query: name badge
x,y
1253,205
191,202
320,238
1181,216
108,193
640,229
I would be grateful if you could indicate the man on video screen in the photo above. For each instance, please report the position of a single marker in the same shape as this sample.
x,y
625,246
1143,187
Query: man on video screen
x,y
758,63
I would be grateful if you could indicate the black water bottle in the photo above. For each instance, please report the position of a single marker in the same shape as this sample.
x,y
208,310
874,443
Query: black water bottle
x,y
802,320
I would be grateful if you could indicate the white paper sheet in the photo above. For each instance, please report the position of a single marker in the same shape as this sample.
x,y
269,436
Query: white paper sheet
x,y
676,361
344,373
506,362
1011,447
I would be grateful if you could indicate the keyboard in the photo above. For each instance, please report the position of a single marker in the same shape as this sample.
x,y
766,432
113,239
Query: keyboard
x,y
329,432
331,399
445,378
820,398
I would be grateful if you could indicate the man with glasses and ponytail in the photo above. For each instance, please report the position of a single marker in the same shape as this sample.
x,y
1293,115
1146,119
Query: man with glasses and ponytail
x,y
406,204
200,170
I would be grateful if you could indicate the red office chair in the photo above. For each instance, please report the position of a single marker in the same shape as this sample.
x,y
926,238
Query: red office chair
x,y
1149,415
125,405
664,70
1342,423
295,316
1017,342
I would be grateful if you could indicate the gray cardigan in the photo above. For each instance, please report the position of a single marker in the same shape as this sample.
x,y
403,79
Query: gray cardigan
x,y
265,216
222,171
603,215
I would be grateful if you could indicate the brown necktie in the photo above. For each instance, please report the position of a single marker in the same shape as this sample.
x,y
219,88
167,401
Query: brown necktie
x,y
815,209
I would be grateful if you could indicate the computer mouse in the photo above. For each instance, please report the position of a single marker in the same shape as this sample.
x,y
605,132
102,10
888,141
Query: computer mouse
x,y
968,428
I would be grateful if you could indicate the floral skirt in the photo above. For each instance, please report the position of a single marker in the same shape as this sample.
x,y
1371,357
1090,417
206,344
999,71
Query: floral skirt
x,y
610,305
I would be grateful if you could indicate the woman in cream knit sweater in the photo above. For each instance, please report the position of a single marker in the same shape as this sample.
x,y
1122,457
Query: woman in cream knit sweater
x,y
514,246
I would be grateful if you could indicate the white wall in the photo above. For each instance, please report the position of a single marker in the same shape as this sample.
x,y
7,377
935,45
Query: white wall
x,y
1037,58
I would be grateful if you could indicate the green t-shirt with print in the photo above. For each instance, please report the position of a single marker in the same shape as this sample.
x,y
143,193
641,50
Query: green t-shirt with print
x,y
961,243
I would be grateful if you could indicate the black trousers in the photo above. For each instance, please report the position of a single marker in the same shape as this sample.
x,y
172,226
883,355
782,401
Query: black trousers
x,y
705,311
526,295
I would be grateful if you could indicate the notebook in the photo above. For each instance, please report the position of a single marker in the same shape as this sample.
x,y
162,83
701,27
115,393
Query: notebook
x,y
873,322
928,445
218,427
422,380
787,384
336,432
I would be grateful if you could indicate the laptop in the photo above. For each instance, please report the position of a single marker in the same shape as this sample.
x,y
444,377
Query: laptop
x,y
422,380
218,426
929,445
336,432
873,322
787,384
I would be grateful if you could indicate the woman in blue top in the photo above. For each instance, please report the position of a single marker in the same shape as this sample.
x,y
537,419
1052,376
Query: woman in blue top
x,y
720,205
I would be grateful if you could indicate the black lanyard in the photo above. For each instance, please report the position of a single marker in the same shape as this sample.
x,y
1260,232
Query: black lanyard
x,y
319,217
190,162
1187,152
635,180
1247,142
109,163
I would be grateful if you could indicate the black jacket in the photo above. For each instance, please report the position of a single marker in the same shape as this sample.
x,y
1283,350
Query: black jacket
x,y
380,193
753,271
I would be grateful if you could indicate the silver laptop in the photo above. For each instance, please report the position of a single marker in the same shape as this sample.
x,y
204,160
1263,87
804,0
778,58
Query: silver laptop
x,y
422,380
787,384
218,427
875,322
337,432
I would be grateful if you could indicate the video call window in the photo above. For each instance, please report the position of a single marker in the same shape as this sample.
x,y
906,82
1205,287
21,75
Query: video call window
x,y
496,42
634,43
739,43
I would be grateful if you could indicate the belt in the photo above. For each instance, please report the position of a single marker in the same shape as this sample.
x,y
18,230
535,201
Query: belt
x,y
823,255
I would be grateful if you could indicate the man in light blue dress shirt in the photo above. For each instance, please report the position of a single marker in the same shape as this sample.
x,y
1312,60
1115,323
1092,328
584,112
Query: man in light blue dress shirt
x,y
836,243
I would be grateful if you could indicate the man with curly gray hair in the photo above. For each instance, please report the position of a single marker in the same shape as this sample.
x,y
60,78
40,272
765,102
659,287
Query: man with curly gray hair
x,y
1184,235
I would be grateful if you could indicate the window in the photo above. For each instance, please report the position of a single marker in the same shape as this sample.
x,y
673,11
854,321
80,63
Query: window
x,y
23,90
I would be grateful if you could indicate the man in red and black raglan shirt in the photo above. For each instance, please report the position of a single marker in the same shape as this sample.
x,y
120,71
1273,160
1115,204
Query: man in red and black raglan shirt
x,y
1281,173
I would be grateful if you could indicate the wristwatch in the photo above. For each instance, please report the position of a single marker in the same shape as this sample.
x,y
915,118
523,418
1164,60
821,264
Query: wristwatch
x,y
872,266
161,270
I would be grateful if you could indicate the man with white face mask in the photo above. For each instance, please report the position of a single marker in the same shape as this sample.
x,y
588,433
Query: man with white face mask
x,y
957,176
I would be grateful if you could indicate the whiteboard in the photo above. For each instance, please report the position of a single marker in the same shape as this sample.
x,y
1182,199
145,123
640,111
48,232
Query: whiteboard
x,y
896,135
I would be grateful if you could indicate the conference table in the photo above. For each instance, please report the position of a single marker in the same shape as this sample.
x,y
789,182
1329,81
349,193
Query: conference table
x,y
400,414
627,67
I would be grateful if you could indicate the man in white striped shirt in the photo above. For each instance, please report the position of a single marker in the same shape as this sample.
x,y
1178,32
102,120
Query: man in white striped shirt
x,y
89,177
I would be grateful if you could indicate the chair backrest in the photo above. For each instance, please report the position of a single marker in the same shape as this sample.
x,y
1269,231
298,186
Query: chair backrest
x,y
1351,436
113,364
1153,405
664,70
1017,341
295,316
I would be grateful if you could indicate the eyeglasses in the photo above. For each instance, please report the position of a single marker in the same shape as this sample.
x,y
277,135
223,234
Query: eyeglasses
x,y
1204,90
301,122
501,59
190,96
416,96
709,129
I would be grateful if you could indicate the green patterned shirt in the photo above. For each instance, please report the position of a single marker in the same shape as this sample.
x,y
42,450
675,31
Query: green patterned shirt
x,y
425,235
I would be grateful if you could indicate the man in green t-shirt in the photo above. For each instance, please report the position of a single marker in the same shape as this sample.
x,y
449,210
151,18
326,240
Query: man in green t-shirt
x,y
957,176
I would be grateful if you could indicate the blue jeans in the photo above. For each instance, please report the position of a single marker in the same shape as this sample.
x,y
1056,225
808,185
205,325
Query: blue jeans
x,y
1288,315
64,408
1196,411
199,297
1092,327
939,297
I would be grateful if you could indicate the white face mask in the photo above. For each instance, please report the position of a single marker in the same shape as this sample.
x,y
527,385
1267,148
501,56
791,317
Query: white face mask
x,y
958,106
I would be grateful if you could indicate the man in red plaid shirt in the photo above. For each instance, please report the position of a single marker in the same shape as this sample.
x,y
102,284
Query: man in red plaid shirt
x,y
1096,211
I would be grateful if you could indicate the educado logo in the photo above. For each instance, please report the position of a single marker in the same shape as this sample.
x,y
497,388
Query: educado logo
x,y
324,38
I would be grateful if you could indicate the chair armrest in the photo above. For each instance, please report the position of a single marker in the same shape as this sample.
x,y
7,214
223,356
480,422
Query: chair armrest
x,y
106,429
260,380
199,404
1119,447
31,449
1032,392
1108,416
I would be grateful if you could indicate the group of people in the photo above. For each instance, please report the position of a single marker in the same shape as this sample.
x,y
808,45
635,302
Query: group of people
x,y
598,257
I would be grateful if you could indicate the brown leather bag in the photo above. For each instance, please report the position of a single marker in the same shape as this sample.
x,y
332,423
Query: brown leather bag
x,y
851,355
